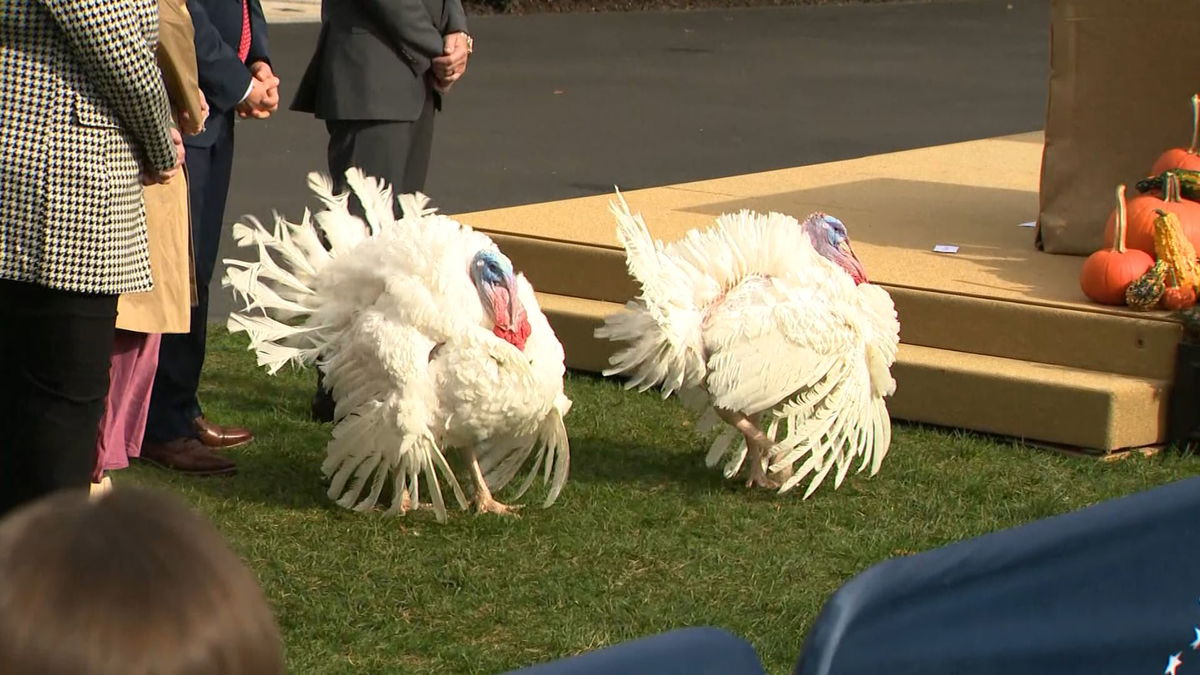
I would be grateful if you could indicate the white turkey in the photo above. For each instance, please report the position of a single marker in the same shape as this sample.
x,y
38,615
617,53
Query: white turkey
x,y
767,324
427,339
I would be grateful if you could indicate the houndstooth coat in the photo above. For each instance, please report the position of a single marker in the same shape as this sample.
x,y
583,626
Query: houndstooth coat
x,y
82,111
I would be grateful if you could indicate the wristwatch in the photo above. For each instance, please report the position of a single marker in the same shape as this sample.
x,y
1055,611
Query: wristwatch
x,y
470,43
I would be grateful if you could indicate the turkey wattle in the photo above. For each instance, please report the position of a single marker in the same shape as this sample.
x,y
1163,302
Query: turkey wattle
x,y
767,324
428,340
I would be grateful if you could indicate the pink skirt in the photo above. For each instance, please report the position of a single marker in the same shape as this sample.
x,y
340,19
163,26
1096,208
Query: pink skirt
x,y
134,362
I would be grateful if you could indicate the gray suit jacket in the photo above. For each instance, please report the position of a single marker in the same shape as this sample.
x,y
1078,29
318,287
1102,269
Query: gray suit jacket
x,y
83,111
373,56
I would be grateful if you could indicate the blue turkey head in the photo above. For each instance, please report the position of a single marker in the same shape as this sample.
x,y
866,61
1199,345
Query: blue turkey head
x,y
830,239
494,279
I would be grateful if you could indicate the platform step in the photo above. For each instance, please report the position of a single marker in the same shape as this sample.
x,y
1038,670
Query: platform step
x,y
1088,409
1136,345
1141,346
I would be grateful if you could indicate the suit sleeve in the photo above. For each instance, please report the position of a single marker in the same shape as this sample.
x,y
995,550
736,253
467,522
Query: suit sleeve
x,y
110,44
456,18
223,77
409,27
259,51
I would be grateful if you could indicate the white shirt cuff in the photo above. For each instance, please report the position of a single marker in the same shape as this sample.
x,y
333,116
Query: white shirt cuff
x,y
246,95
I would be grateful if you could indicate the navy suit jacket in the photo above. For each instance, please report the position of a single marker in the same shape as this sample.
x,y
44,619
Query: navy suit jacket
x,y
223,77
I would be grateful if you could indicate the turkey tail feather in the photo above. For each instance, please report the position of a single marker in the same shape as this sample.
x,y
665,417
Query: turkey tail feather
x,y
366,445
375,196
661,326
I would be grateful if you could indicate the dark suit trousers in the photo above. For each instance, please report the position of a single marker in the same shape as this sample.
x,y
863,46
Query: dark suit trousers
x,y
55,349
173,401
397,152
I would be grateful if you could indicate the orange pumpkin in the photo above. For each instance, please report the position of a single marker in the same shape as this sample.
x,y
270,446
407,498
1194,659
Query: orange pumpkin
x,y
1142,210
1176,296
1182,158
1107,273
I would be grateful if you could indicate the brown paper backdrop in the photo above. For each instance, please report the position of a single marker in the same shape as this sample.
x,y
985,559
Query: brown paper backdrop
x,y
1122,73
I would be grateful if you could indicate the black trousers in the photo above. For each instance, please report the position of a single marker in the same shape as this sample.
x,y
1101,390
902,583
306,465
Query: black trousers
x,y
55,351
398,153
173,402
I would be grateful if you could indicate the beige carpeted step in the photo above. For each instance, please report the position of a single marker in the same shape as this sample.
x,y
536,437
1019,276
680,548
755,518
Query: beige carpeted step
x,y
1074,336
995,296
1142,346
1041,402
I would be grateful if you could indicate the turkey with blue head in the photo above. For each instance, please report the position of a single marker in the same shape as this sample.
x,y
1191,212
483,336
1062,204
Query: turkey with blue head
x,y
769,325
430,343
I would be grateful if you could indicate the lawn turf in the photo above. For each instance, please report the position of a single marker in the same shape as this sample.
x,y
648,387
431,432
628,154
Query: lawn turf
x,y
643,539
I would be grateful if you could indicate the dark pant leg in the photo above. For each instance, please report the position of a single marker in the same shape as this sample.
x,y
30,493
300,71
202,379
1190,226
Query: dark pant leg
x,y
397,152
420,146
57,347
173,402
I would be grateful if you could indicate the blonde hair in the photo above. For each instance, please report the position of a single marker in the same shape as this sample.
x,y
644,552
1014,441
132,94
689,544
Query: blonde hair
x,y
132,582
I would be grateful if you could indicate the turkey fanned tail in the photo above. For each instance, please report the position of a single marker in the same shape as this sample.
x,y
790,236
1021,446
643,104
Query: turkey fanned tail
x,y
662,325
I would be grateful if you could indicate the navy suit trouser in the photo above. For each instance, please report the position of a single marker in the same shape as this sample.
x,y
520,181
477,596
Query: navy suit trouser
x,y
173,402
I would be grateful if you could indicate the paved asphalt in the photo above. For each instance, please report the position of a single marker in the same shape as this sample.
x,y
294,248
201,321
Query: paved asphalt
x,y
566,105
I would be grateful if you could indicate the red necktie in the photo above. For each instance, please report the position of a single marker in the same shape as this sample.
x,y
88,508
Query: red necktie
x,y
244,44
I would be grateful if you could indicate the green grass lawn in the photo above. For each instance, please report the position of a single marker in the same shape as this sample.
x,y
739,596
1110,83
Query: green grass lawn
x,y
643,539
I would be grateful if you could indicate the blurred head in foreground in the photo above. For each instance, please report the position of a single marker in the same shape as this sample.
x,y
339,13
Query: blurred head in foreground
x,y
132,583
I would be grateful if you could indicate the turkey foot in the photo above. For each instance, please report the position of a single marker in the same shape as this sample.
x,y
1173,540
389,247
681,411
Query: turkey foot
x,y
758,447
758,476
778,477
484,503
404,504
490,505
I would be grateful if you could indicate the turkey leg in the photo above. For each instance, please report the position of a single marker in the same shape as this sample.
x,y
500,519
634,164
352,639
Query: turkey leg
x,y
758,446
484,503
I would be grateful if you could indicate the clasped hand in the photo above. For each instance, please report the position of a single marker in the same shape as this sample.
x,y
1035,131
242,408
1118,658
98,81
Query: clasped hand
x,y
160,177
451,65
264,93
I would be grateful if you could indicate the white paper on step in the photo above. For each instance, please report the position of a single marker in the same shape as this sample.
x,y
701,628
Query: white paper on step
x,y
945,248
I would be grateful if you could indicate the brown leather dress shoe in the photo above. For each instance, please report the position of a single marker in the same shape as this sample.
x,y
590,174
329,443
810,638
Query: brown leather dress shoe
x,y
217,436
187,455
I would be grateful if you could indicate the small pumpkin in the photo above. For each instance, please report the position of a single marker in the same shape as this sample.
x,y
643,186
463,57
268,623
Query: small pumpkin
x,y
1142,211
1148,289
1177,297
1107,273
1182,158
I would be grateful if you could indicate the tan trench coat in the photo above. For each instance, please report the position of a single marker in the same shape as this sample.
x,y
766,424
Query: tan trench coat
x,y
167,308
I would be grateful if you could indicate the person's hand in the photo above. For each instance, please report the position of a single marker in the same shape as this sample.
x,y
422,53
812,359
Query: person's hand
x,y
261,70
264,93
161,177
258,103
451,65
185,119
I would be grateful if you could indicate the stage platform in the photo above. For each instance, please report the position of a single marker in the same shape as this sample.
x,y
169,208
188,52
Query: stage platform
x,y
995,338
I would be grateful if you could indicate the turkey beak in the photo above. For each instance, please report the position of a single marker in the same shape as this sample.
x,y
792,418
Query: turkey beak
x,y
852,263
